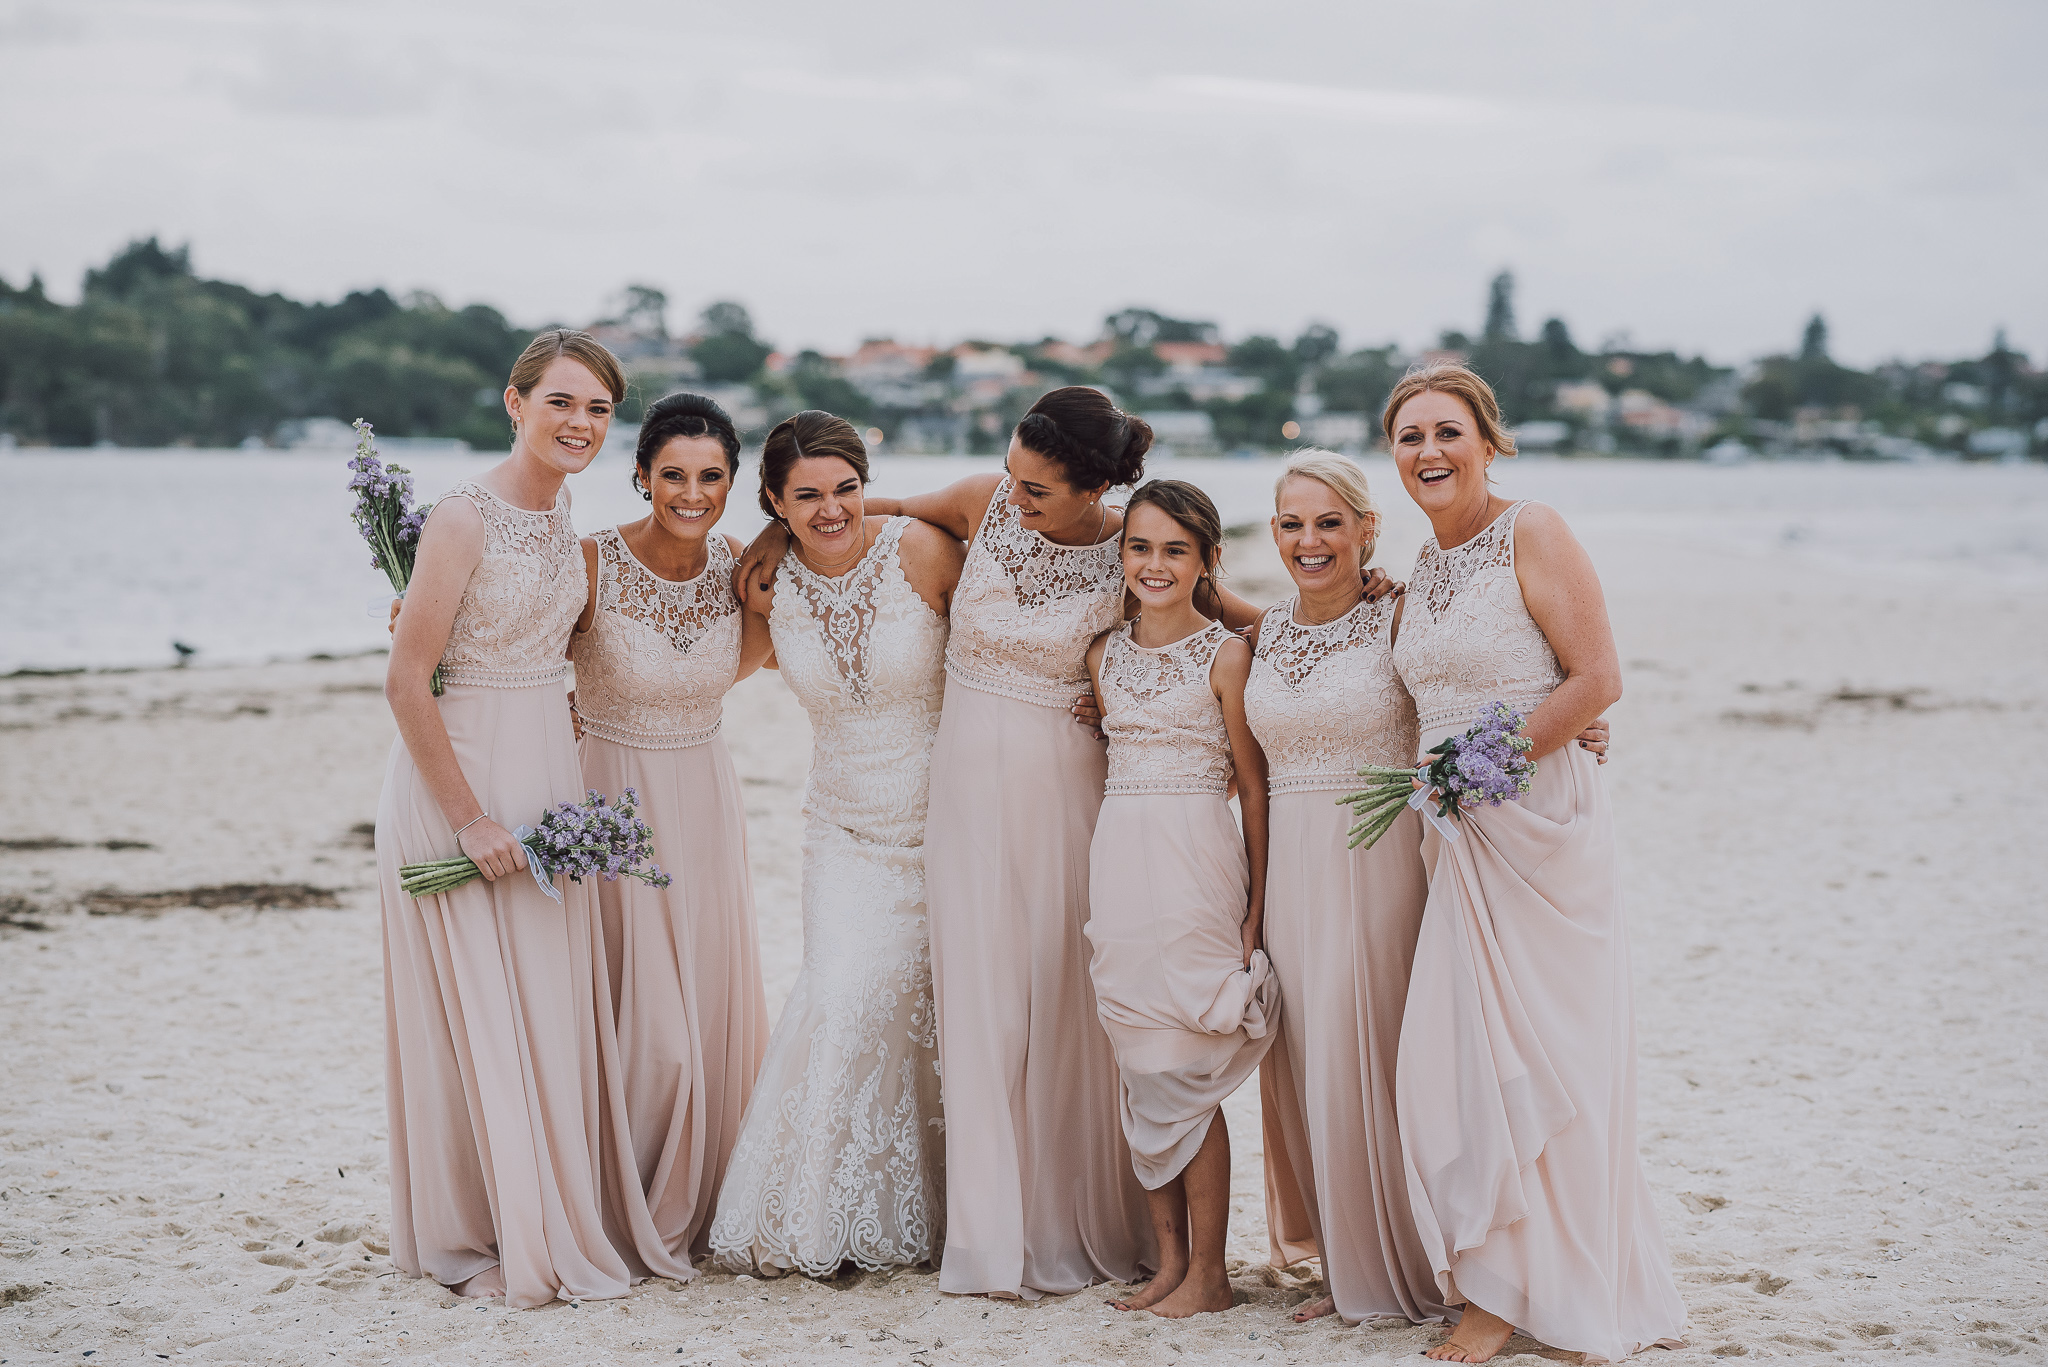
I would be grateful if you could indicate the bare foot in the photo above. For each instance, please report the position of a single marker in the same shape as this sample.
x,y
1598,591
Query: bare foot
x,y
1479,1335
484,1285
1196,1295
1316,1309
1161,1286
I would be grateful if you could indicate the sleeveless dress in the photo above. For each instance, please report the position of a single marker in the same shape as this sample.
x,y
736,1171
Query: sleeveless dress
x,y
1168,889
1042,1197
1516,1088
492,992
1323,699
684,962
840,1158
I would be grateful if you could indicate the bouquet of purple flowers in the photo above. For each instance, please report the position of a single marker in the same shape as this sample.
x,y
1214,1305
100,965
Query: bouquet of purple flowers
x,y
596,839
385,516
1489,763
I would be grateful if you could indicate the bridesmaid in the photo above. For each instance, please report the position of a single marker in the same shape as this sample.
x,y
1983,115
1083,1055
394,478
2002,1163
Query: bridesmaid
x,y
661,639
492,992
1323,699
1186,996
1515,1091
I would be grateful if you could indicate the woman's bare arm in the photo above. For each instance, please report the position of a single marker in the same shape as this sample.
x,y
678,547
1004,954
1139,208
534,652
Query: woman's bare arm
x,y
1227,676
932,560
1564,597
451,547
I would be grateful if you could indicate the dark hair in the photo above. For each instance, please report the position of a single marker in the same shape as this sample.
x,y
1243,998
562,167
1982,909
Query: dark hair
x,y
1188,506
1092,440
577,346
812,432
683,415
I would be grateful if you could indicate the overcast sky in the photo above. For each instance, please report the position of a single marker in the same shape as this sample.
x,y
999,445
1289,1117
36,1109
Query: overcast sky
x,y
1701,176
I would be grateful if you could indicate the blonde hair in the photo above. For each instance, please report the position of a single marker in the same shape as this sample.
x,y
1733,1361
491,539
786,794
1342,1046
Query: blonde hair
x,y
1343,477
577,346
1461,384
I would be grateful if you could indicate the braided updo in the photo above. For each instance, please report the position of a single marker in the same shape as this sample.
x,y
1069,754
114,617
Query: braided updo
x,y
1094,442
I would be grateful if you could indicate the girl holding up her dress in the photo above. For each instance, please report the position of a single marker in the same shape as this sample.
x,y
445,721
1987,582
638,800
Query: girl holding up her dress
x,y
493,991
1185,993
661,640
1515,1089
840,1156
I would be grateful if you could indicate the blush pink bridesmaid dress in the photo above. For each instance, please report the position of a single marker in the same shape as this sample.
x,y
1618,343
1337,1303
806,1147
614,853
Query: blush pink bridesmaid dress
x,y
1341,924
1516,1087
683,962
1041,1199
1168,892
493,992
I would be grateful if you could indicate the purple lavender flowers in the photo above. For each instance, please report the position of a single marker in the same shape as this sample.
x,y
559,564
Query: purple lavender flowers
x,y
597,839
385,516
1488,764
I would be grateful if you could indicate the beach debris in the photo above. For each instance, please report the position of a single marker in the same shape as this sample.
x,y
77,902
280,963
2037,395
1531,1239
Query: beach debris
x,y
51,842
267,896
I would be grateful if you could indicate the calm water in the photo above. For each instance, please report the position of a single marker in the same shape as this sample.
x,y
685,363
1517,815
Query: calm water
x,y
107,557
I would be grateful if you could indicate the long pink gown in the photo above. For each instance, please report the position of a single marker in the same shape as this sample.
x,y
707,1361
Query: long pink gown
x,y
1516,1088
1340,928
1168,892
683,962
1041,1197
493,992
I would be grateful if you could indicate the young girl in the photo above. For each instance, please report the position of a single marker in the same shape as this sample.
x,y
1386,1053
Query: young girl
x,y
1176,895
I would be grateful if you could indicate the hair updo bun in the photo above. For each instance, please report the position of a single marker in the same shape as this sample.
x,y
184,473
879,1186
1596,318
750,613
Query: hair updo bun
x,y
1094,442
684,415
810,433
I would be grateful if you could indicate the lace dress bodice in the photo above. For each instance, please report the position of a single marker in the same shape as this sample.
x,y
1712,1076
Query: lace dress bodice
x,y
1164,725
1324,699
865,655
512,626
1467,638
1027,609
654,668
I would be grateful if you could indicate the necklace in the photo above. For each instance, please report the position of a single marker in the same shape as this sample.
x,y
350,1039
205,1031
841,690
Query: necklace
x,y
834,570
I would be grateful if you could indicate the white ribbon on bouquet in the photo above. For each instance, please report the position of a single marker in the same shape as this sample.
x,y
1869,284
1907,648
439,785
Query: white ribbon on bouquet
x,y
1420,802
542,878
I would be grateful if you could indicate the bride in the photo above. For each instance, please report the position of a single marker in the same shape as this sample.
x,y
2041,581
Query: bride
x,y
841,1155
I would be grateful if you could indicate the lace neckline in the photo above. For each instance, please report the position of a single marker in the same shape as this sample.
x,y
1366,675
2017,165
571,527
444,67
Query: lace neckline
x,y
1131,637
470,486
1294,606
1479,535
626,549
844,582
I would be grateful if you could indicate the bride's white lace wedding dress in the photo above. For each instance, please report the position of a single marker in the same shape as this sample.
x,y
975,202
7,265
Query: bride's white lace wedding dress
x,y
840,1158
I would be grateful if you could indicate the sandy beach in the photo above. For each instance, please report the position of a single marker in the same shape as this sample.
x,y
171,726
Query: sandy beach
x,y
1827,782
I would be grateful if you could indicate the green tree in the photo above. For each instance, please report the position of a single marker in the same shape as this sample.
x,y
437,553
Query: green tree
x,y
1500,308
728,352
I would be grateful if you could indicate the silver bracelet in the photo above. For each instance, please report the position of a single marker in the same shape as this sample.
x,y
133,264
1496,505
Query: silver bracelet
x,y
458,835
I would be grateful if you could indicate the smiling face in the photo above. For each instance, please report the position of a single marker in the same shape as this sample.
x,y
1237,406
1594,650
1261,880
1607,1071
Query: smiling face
x,y
563,420
1440,454
1044,501
1321,538
1162,559
821,501
690,481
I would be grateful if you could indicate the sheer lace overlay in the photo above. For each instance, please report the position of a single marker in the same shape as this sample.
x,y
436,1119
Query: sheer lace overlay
x,y
522,600
1467,638
1027,608
1165,727
841,1155
654,668
1324,699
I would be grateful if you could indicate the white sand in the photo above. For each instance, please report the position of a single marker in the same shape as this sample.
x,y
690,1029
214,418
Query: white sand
x,y
1840,957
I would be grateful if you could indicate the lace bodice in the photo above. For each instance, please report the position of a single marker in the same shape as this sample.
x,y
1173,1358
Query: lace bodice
x,y
1324,699
1467,638
653,670
1164,724
865,655
1027,609
523,598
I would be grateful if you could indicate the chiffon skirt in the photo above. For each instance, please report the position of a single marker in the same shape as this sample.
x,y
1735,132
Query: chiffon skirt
x,y
1516,1091
1167,890
1341,927
1042,1198
684,970
492,1000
